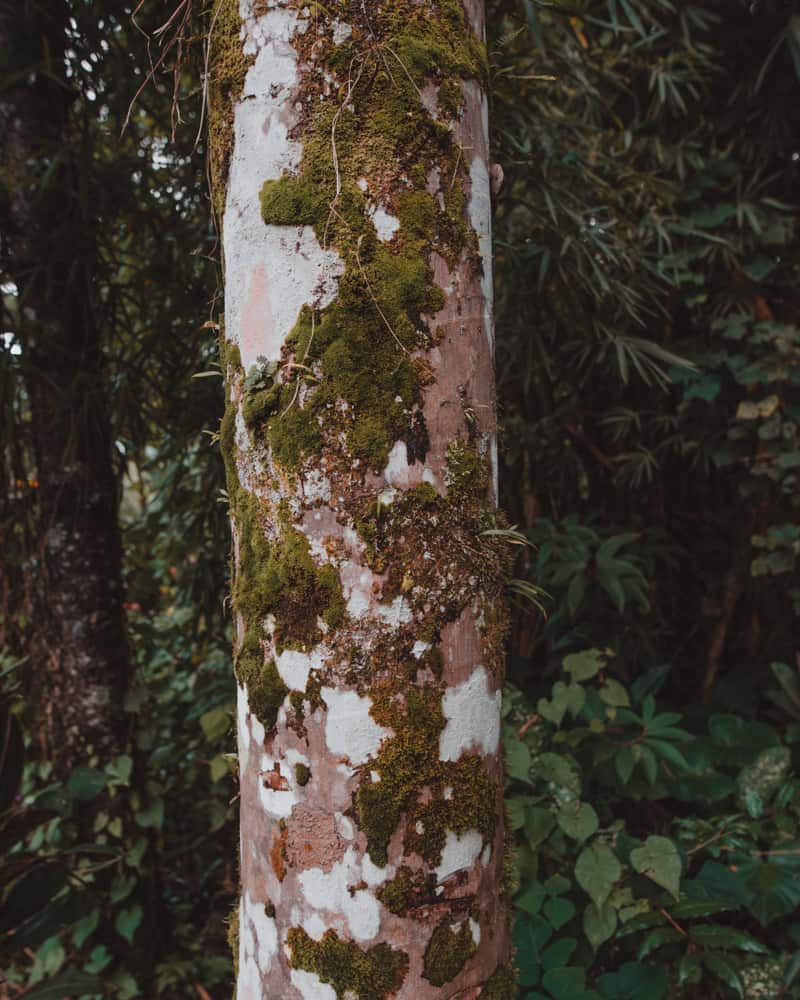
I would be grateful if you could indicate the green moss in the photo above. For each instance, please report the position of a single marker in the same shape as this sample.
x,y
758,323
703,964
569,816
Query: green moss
x,y
302,773
265,689
228,69
448,951
292,201
374,974
462,794
233,937
501,985
362,349
259,406
466,472
407,889
296,699
283,580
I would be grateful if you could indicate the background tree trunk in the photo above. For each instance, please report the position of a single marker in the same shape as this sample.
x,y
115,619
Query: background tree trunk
x,y
349,156
48,251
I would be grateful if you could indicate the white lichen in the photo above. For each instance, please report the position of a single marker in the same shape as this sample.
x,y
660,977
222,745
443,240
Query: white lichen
x,y
472,713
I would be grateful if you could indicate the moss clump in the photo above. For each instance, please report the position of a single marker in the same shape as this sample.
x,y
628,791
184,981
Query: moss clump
x,y
283,580
407,889
435,550
296,698
302,773
494,632
265,688
292,201
462,794
374,974
448,952
233,936
259,406
228,69
466,472
501,985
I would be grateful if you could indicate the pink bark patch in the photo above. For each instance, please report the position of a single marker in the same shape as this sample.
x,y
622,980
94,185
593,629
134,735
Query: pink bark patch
x,y
258,325
312,840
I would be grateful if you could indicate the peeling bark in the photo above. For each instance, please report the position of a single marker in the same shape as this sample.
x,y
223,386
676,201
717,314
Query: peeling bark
x,y
360,444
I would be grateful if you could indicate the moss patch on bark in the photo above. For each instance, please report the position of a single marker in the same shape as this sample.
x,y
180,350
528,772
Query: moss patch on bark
x,y
501,985
458,795
406,890
372,974
451,946
228,69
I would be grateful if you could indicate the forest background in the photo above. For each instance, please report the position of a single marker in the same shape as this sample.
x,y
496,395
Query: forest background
x,y
647,274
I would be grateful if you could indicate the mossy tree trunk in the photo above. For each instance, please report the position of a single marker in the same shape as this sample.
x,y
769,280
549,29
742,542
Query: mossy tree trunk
x,y
349,160
79,647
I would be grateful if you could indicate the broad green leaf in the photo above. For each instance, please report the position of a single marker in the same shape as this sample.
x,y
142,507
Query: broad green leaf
x,y
152,815
557,885
121,769
86,783
613,693
599,923
624,762
218,766
530,935
559,912
558,953
515,810
658,860
690,908
597,871
85,928
724,938
668,752
216,722
585,665
99,959
578,820
719,882
724,971
657,939
634,981
128,919
774,887
531,899
518,759
539,824
553,711
564,983
689,969
561,774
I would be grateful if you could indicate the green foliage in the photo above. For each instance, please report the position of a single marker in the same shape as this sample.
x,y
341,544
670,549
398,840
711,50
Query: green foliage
x,y
647,312
622,908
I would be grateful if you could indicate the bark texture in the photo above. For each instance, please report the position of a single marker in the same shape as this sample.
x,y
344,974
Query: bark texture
x,y
48,251
349,151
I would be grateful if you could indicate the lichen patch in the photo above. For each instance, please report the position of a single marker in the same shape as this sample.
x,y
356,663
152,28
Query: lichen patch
x,y
350,730
472,711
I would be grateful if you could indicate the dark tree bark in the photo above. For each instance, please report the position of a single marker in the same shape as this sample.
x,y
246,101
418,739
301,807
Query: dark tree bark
x,y
48,251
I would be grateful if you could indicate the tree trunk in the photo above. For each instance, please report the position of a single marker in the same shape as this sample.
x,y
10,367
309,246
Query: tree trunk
x,y
349,155
79,642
